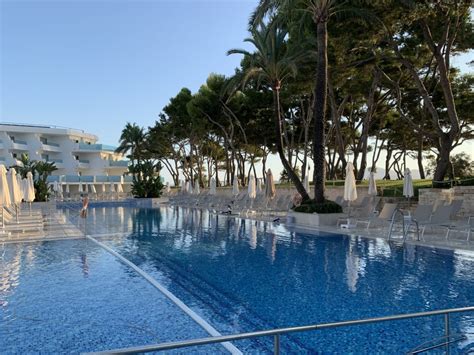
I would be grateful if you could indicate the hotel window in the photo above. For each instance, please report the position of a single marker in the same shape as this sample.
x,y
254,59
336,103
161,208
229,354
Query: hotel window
x,y
12,138
44,140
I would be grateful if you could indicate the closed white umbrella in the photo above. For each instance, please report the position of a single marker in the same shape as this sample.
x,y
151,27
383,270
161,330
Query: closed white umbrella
x,y
112,188
24,188
29,188
270,191
213,187
182,186
5,199
80,189
68,190
20,185
197,188
350,189
372,185
103,187
235,186
306,183
93,190
408,185
252,188
259,186
56,187
119,188
167,188
15,193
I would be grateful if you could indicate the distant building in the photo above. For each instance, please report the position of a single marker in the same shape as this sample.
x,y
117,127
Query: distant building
x,y
74,152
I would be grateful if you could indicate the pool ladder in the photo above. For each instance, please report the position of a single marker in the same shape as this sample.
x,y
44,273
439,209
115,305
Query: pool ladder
x,y
405,227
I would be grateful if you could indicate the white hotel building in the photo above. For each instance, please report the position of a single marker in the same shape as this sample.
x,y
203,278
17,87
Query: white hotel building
x,y
75,153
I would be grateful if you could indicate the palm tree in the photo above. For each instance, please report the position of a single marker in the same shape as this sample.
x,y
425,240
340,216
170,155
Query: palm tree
x,y
42,170
132,140
320,11
273,63
26,165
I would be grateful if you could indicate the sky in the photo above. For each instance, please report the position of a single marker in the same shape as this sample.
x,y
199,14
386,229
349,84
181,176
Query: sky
x,y
95,65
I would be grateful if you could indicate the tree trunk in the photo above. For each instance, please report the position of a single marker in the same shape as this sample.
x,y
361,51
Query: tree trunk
x,y
419,157
387,161
216,168
319,113
279,144
443,161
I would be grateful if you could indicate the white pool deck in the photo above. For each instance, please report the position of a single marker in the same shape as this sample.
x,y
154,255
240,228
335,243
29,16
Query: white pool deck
x,y
58,227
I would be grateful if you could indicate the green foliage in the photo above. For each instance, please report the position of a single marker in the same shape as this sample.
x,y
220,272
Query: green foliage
x,y
26,166
462,166
284,175
147,181
40,170
312,206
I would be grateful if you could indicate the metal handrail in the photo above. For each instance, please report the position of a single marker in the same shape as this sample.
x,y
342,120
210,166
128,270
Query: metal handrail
x,y
276,333
393,222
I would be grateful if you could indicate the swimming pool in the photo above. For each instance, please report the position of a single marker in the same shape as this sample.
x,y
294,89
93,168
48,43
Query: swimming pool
x,y
243,275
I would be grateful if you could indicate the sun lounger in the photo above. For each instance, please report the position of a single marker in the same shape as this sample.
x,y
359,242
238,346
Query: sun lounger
x,y
463,227
456,207
383,217
422,213
440,218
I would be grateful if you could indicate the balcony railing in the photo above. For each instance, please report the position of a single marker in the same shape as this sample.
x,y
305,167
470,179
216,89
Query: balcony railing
x,y
50,144
56,161
118,163
97,147
89,178
84,161
17,141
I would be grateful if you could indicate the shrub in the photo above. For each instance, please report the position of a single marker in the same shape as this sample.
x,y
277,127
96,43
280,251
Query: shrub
x,y
146,179
311,206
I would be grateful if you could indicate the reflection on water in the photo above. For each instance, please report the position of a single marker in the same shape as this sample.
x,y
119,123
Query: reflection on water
x,y
259,275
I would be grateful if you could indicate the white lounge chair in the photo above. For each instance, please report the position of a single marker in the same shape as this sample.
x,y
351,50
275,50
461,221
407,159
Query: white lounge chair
x,y
440,218
383,217
464,227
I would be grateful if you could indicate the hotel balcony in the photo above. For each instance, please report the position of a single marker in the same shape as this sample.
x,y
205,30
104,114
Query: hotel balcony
x,y
58,163
117,163
84,147
83,163
20,145
51,147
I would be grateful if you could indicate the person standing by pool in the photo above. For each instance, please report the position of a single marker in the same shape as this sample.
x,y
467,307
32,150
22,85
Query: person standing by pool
x,y
85,204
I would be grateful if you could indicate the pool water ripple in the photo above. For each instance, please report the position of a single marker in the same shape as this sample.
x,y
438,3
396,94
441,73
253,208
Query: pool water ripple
x,y
243,275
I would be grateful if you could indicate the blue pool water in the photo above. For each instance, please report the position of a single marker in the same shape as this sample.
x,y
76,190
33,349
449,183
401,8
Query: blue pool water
x,y
242,275
72,297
